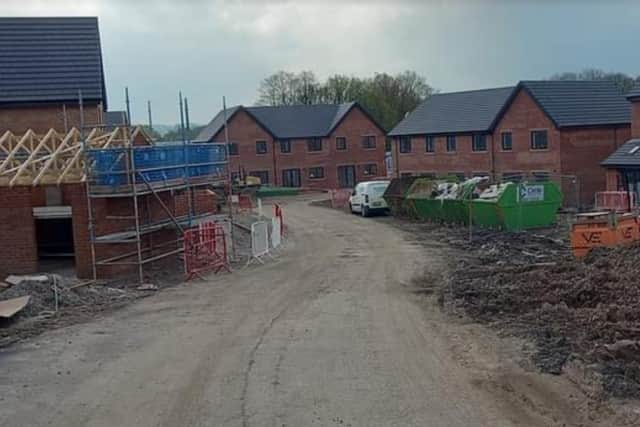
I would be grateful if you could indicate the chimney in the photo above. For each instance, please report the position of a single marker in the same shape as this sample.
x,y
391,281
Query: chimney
x,y
634,98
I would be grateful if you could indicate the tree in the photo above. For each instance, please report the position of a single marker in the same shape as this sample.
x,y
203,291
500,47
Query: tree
x,y
175,134
623,81
387,97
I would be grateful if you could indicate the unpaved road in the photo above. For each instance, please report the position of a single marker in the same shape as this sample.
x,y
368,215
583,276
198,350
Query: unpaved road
x,y
328,334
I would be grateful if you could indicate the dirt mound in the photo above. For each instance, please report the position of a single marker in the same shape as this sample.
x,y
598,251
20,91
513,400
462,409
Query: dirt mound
x,y
530,284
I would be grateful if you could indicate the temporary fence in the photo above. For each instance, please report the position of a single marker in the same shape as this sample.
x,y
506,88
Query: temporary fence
x,y
226,227
276,235
339,198
205,250
619,201
277,212
259,241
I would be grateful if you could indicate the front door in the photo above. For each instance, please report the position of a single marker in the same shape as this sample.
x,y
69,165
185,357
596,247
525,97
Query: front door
x,y
291,178
346,176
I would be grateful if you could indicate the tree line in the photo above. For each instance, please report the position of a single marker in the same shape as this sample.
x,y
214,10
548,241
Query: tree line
x,y
624,81
388,98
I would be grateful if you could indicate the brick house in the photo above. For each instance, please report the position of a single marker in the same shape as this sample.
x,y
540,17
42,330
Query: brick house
x,y
623,166
312,146
44,63
540,128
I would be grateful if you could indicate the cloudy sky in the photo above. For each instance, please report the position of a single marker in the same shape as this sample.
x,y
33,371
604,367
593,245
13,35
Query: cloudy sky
x,y
211,48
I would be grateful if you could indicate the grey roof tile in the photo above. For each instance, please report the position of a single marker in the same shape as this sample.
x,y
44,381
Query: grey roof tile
x,y
287,121
50,59
456,112
580,102
628,155
634,92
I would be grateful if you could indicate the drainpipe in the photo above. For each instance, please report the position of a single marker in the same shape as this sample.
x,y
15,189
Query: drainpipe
x,y
397,155
275,166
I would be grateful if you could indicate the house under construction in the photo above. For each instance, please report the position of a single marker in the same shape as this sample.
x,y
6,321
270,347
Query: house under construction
x,y
110,200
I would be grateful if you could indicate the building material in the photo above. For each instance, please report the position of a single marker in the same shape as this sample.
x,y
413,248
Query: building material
x,y
11,306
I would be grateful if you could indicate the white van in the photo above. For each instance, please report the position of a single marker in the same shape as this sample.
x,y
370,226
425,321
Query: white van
x,y
366,198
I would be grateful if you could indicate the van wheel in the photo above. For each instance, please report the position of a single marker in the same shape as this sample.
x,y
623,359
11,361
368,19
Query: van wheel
x,y
365,211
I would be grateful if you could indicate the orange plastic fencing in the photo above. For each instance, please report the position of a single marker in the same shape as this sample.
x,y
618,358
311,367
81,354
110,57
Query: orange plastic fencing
x,y
339,198
603,229
619,201
205,249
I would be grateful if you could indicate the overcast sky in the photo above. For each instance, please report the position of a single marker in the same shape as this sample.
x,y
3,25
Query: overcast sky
x,y
214,48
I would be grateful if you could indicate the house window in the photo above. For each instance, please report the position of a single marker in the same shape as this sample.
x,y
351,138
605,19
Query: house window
x,y
539,140
235,176
539,176
285,146
479,142
369,142
406,174
512,176
507,141
263,175
316,173
430,144
370,169
479,174
261,147
430,175
314,144
459,175
387,145
451,143
233,149
341,143
405,144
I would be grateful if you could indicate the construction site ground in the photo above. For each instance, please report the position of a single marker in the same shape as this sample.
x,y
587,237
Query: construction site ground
x,y
357,321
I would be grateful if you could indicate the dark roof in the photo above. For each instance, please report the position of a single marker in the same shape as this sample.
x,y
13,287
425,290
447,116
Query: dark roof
x,y
115,118
288,121
456,112
580,102
628,155
634,92
50,60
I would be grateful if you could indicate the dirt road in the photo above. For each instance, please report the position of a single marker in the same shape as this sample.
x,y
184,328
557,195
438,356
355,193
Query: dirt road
x,y
329,334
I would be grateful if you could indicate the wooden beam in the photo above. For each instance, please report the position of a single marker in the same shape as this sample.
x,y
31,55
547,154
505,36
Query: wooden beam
x,y
43,142
19,146
62,149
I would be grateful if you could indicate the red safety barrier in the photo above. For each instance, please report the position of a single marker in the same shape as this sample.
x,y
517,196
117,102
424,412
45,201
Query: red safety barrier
x,y
244,202
339,198
205,249
619,201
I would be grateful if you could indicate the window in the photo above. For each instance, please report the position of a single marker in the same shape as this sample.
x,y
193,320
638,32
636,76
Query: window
x,y
479,142
507,141
479,174
406,174
233,149
459,175
261,147
387,145
405,144
370,169
429,144
539,140
314,144
316,173
430,175
285,146
263,175
341,143
451,143
369,142
512,176
235,176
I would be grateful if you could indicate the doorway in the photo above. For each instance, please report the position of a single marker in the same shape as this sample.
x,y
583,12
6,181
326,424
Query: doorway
x,y
346,176
56,251
291,178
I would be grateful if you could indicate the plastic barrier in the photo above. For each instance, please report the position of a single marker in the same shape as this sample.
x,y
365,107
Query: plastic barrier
x,y
620,201
339,198
205,250
278,214
259,241
276,233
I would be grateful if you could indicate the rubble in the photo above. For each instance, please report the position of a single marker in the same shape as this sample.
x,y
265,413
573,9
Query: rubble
x,y
528,284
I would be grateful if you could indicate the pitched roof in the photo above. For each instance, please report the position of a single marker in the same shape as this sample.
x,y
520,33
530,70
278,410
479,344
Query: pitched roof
x,y
580,102
287,121
456,112
50,59
628,155
634,92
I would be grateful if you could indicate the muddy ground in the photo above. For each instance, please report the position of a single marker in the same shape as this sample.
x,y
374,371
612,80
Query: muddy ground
x,y
578,314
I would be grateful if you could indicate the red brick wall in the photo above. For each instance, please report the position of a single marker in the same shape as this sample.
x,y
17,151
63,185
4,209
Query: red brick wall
x,y
582,150
442,163
41,118
635,119
244,131
18,251
613,178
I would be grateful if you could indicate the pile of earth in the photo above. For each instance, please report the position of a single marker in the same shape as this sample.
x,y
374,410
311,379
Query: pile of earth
x,y
529,283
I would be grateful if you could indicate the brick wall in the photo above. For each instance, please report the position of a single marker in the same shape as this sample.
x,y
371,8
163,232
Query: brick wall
x,y
18,251
41,118
635,118
245,131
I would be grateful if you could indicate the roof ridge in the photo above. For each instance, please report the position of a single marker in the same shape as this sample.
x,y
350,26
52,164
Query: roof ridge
x,y
471,91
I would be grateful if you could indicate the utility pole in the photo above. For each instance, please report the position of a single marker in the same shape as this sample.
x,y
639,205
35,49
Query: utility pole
x,y
126,98
186,115
181,116
150,120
